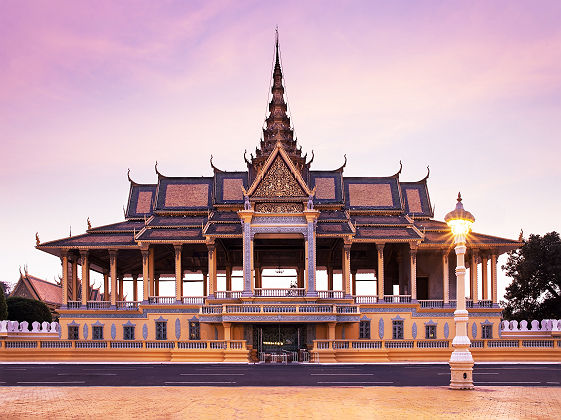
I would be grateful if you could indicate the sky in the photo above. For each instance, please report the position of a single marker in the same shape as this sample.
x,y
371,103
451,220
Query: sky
x,y
89,89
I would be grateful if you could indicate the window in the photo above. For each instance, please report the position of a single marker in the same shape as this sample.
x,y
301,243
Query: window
x,y
73,332
97,332
430,332
487,331
364,329
128,332
397,330
161,330
194,330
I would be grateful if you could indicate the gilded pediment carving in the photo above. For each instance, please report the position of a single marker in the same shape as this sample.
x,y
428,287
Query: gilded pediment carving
x,y
279,181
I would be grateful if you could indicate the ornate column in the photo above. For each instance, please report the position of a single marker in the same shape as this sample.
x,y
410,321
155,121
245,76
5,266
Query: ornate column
x,y
121,288
212,278
113,272
247,255
135,287
178,272
64,260
151,271
346,267
445,278
311,217
413,270
106,286
228,278
353,282
380,272
85,276
74,279
494,278
205,290
473,270
145,275
156,285
484,279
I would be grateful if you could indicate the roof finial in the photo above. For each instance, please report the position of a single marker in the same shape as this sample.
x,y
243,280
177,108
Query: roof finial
x,y
459,197
521,236
37,241
89,223
277,61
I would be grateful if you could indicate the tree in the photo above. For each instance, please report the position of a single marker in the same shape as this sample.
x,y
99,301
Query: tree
x,y
23,309
535,269
3,305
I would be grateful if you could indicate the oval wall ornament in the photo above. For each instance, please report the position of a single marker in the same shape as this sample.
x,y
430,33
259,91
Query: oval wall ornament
x,y
474,330
446,330
85,331
381,328
113,331
177,328
414,330
145,331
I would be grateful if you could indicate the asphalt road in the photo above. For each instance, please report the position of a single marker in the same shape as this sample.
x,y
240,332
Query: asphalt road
x,y
271,375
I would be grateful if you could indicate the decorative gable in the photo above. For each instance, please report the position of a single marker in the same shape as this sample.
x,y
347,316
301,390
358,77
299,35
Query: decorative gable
x,y
279,181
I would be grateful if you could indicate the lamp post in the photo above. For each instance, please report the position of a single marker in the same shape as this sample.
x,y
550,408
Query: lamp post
x,y
461,361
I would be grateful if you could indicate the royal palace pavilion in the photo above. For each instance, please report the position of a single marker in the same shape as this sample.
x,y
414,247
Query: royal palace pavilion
x,y
284,257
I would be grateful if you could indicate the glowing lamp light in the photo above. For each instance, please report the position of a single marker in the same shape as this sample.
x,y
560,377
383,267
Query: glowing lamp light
x,y
459,220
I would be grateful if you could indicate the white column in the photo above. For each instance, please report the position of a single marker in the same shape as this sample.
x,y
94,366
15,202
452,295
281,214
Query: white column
x,y
473,270
484,279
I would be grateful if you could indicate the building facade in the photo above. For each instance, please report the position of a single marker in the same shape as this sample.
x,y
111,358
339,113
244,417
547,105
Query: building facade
x,y
334,236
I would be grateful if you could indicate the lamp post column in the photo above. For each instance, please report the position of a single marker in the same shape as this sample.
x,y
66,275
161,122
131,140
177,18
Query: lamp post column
x,y
461,361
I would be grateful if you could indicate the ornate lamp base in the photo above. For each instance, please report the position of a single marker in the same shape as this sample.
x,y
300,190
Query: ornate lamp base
x,y
461,370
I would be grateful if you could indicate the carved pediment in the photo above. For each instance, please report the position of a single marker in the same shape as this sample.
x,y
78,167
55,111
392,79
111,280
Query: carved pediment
x,y
279,181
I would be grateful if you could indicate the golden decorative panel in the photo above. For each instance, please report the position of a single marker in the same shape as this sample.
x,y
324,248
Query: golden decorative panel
x,y
279,182
144,202
414,201
325,188
370,195
278,208
232,189
187,195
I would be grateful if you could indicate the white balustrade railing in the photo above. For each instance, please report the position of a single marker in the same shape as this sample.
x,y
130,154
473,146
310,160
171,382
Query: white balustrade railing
x,y
433,344
366,299
366,345
546,326
538,343
315,308
477,344
21,344
218,345
347,309
502,343
160,344
193,300
212,309
330,294
432,303
279,308
98,304
128,305
91,344
192,345
23,327
56,344
159,300
290,292
237,345
126,344
229,294
398,344
397,299
73,304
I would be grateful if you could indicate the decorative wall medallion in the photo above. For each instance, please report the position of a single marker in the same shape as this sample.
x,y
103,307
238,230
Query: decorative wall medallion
x,y
381,328
177,328
85,331
446,330
145,331
113,331
414,330
474,330
278,208
279,181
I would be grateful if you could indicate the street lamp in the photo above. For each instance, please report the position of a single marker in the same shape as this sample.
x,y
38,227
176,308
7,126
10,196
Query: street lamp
x,y
461,361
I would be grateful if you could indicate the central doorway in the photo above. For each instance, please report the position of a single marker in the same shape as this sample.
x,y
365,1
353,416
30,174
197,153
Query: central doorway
x,y
280,342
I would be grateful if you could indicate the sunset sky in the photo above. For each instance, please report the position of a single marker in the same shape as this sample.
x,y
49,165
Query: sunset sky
x,y
89,89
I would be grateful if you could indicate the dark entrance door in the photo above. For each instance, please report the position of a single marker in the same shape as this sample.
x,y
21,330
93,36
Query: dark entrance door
x,y
279,339
422,288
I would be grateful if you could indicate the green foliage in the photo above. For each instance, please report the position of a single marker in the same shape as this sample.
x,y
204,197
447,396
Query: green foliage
x,y
535,269
3,305
23,309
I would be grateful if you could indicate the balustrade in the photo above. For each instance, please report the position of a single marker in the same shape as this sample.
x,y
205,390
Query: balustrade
x,y
21,344
73,304
160,344
399,344
433,344
366,344
290,292
56,344
126,344
366,299
346,309
98,304
433,303
128,305
330,294
279,308
228,295
193,300
397,299
166,300
91,344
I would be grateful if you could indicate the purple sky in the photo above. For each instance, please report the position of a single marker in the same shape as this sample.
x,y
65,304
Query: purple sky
x,y
89,89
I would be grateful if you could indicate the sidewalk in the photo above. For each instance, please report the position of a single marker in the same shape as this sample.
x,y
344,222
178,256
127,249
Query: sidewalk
x,y
279,403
